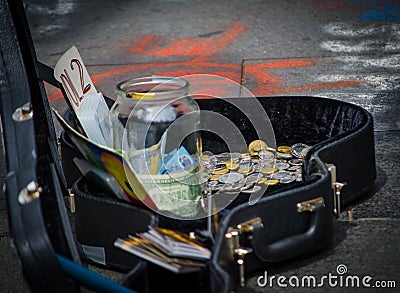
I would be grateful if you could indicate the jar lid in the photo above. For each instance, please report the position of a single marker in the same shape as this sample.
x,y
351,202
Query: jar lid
x,y
153,87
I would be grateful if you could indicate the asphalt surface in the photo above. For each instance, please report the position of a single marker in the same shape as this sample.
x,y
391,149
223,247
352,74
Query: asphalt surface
x,y
342,49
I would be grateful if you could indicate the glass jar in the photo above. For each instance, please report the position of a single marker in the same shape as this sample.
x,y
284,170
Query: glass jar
x,y
156,123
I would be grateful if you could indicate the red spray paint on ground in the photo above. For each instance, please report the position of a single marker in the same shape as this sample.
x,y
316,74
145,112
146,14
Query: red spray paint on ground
x,y
199,52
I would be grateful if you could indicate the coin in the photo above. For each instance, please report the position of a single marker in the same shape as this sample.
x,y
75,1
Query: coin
x,y
297,148
256,146
219,166
232,166
266,154
287,180
295,162
283,156
223,158
283,149
282,166
245,170
221,171
253,178
233,187
269,171
262,180
294,168
235,157
230,178
281,174
271,182
251,190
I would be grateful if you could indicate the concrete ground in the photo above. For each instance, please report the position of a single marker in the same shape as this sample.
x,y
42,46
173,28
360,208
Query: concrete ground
x,y
342,49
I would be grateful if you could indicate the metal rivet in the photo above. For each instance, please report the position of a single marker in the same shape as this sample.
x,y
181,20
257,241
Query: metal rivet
x,y
29,193
23,113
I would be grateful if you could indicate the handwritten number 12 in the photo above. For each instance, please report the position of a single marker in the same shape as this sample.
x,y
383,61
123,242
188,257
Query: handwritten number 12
x,y
69,86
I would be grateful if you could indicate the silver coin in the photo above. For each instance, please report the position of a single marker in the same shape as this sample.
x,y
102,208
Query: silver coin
x,y
253,178
283,156
287,180
282,166
245,160
251,190
223,158
294,168
296,150
245,165
233,187
295,162
280,175
216,187
235,157
213,183
265,154
230,178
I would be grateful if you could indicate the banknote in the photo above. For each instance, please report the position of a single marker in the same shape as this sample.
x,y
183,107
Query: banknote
x,y
178,193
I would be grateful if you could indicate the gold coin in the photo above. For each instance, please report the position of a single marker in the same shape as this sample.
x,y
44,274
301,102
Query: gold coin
x,y
283,149
220,171
232,166
262,180
245,170
269,171
205,157
271,182
214,177
256,146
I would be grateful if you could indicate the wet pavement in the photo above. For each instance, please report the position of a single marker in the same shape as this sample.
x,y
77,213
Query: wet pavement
x,y
343,49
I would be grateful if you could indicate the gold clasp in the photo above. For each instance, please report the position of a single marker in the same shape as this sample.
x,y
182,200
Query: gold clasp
x,y
238,252
310,205
337,188
247,227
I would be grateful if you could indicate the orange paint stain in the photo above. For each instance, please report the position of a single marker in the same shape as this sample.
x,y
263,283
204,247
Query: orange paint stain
x,y
200,51
143,44
200,48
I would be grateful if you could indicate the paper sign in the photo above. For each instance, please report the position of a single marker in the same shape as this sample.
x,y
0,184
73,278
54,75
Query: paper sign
x,y
72,74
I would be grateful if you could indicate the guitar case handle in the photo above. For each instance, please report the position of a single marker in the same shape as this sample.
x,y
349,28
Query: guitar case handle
x,y
291,246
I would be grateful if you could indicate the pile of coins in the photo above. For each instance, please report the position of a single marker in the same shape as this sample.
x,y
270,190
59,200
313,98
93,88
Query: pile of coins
x,y
246,172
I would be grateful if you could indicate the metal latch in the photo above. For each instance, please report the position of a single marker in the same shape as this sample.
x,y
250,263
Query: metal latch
x,y
71,201
239,253
310,205
337,188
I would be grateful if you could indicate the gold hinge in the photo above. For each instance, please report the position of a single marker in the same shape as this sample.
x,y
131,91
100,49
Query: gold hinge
x,y
337,188
239,253
310,205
